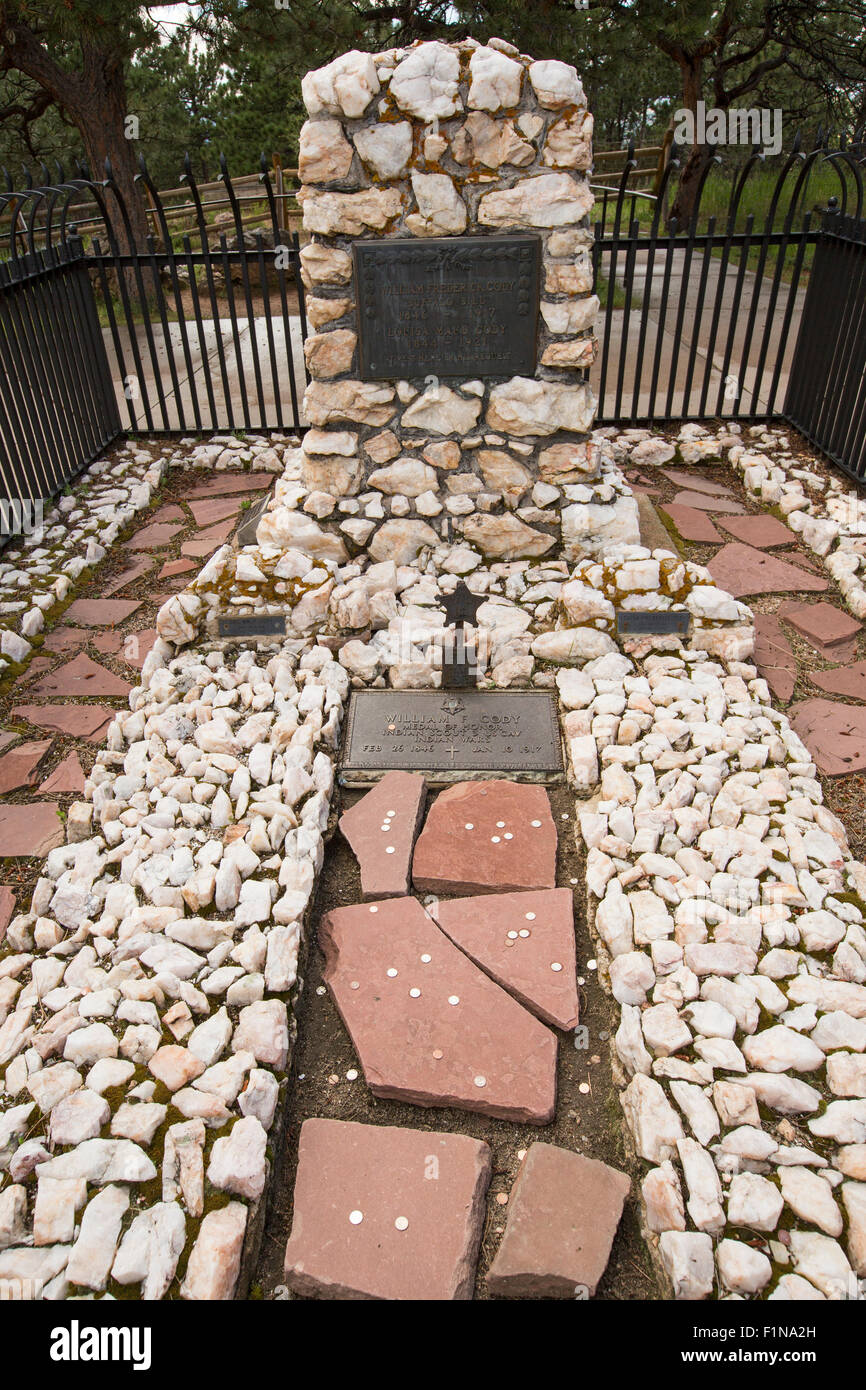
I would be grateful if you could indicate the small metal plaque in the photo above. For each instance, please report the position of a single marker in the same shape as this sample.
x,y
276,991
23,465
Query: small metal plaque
x,y
448,306
661,624
266,625
452,731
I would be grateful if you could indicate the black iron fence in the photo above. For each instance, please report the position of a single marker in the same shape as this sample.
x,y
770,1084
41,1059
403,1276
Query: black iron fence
x,y
205,331
826,398
57,409
102,331
701,314
201,326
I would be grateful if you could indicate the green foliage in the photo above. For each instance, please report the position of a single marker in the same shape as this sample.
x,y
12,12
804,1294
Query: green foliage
x,y
223,76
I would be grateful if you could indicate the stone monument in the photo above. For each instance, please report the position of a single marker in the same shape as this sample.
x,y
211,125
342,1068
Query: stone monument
x,y
449,289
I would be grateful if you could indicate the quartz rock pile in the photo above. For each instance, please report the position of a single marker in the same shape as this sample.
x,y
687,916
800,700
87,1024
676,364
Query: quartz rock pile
x,y
729,916
576,500
380,609
38,571
145,997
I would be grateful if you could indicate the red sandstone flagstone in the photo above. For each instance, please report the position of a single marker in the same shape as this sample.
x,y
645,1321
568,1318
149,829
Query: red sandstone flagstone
x,y
693,525
30,831
81,721
7,909
835,734
131,647
68,776
18,766
639,482
223,484
486,837
386,1213
109,643
824,625
6,739
429,1027
170,511
381,829
762,532
81,676
695,483
525,941
704,503
562,1218
847,681
173,567
128,577
743,570
137,646
798,558
101,612
774,656
154,537
64,641
39,665
211,510
208,541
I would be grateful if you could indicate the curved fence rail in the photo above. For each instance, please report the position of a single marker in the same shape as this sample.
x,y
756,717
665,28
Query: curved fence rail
x,y
826,398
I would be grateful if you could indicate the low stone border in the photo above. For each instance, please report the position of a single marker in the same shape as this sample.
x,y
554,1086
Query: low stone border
x,y
825,508
729,918
38,571
145,997
728,913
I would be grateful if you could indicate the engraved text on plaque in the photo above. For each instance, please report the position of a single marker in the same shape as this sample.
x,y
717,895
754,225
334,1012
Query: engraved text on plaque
x,y
448,306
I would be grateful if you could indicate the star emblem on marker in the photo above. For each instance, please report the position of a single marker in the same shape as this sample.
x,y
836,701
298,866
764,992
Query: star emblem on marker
x,y
453,705
462,605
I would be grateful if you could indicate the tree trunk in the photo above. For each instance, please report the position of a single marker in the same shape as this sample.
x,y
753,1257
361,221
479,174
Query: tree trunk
x,y
94,99
102,123
683,206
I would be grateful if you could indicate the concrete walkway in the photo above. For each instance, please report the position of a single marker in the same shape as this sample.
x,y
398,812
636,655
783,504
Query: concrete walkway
x,y
242,346
698,309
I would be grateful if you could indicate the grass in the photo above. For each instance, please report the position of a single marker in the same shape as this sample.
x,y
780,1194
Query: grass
x,y
620,299
820,185
756,201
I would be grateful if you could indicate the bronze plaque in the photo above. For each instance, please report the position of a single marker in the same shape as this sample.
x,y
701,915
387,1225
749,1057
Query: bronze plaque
x,y
452,731
258,625
448,306
640,623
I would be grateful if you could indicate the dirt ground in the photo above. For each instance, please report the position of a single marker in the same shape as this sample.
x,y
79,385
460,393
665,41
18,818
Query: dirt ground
x,y
589,1123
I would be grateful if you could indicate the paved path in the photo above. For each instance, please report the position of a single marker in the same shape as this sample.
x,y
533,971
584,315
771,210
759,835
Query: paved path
x,y
808,646
696,330
242,347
